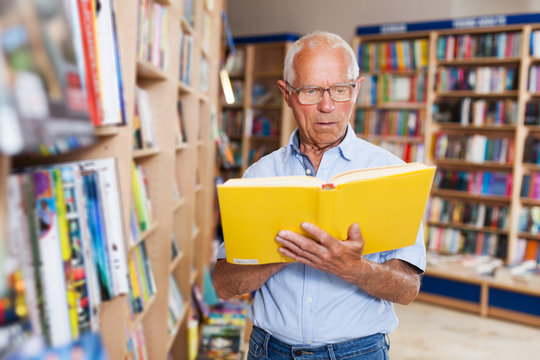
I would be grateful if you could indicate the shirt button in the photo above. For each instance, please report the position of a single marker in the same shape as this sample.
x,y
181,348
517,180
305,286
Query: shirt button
x,y
308,171
309,300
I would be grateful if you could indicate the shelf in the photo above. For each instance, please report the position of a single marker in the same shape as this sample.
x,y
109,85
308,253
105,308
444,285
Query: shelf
x,y
198,188
467,227
467,196
172,336
528,236
178,205
467,164
143,153
181,146
146,70
268,74
186,89
530,202
531,167
143,236
480,61
193,277
393,138
232,106
186,26
264,138
175,262
103,131
267,107
138,319
470,93
475,128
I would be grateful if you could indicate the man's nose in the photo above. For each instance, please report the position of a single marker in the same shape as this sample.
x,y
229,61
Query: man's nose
x,y
326,104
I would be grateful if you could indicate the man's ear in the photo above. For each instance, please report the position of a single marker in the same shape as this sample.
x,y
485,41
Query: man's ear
x,y
359,82
285,92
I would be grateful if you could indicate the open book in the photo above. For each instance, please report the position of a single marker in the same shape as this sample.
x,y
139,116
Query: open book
x,y
387,202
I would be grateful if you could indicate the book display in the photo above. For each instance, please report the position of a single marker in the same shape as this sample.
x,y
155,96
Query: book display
x,y
100,247
477,122
259,121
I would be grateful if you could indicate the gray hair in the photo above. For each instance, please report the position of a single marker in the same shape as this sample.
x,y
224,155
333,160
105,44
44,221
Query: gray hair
x,y
312,41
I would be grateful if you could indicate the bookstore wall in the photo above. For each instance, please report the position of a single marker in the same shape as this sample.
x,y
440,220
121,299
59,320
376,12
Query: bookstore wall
x,y
107,168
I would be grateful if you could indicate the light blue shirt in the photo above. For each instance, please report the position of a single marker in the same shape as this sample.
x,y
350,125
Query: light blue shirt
x,y
302,305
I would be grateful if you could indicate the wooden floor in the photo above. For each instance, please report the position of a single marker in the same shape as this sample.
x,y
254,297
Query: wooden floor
x,y
429,332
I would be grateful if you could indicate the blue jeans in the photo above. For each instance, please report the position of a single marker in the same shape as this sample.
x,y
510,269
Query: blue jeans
x,y
262,345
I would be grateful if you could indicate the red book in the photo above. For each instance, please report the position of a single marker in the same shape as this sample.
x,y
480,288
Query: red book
x,y
88,34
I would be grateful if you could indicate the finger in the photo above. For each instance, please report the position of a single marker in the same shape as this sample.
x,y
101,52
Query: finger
x,y
307,249
322,236
303,242
288,253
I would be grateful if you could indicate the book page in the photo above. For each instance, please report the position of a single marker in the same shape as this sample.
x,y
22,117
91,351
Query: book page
x,y
370,173
282,181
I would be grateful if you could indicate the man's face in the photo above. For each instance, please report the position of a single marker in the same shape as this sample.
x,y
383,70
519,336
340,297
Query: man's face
x,y
322,124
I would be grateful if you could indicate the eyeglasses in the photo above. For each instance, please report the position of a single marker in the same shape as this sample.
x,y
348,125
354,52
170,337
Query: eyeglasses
x,y
314,94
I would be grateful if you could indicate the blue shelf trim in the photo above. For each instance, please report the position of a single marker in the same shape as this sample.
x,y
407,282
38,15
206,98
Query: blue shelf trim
x,y
510,300
457,23
266,38
450,288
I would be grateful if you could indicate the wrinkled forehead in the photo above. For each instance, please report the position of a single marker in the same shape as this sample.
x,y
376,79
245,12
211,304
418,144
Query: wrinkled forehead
x,y
322,66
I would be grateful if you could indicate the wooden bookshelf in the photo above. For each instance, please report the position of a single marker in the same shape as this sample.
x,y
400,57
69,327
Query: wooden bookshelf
x,y
261,66
163,164
443,59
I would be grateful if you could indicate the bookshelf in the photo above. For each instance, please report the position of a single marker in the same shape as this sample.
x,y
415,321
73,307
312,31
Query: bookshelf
x,y
169,162
259,121
478,122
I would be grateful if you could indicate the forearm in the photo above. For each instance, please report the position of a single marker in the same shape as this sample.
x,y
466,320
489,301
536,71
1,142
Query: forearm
x,y
230,279
394,280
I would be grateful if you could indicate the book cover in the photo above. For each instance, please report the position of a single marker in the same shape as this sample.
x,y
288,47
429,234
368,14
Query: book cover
x,y
387,202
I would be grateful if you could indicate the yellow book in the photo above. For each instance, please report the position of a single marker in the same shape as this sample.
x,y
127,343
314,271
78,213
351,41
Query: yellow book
x,y
387,202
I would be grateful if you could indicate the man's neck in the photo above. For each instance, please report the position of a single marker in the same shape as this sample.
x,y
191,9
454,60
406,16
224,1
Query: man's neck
x,y
315,152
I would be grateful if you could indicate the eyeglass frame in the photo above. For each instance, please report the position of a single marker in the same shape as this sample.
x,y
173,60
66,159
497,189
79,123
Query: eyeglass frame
x,y
297,91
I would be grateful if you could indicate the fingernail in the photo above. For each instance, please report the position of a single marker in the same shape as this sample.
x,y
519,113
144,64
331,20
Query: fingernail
x,y
305,225
282,233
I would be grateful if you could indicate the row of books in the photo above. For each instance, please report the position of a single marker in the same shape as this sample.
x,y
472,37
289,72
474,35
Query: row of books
x,y
265,93
477,112
535,43
407,151
66,237
176,306
392,88
141,217
74,80
481,79
232,122
532,113
393,55
143,285
265,124
531,151
527,249
229,151
186,58
153,33
534,78
136,345
189,12
469,46
236,63
143,121
529,220
456,211
530,187
474,182
473,148
389,122
456,241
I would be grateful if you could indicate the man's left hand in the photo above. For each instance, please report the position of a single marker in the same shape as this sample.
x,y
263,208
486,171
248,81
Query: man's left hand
x,y
341,258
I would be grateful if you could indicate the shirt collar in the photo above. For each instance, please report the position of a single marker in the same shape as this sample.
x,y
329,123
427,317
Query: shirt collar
x,y
345,147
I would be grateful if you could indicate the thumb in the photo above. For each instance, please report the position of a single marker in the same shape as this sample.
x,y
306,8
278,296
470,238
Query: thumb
x,y
354,233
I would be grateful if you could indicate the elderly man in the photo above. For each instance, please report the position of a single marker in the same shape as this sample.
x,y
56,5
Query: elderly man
x,y
332,302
